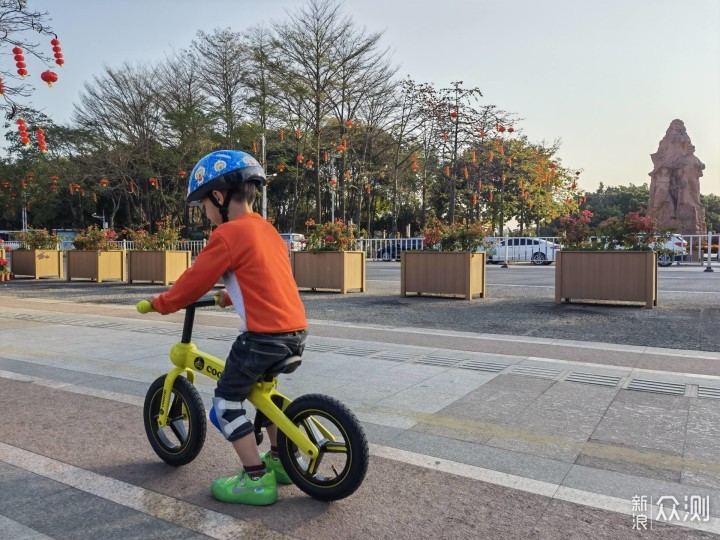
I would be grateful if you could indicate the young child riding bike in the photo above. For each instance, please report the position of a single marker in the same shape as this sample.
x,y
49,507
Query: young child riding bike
x,y
251,257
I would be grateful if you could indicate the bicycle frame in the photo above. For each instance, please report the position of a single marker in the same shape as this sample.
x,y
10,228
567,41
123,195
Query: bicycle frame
x,y
187,359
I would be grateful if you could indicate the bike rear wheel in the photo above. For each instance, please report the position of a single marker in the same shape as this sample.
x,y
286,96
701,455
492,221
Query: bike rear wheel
x,y
343,460
182,438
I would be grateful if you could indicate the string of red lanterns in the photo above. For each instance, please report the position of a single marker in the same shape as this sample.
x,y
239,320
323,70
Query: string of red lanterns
x,y
20,62
40,134
58,51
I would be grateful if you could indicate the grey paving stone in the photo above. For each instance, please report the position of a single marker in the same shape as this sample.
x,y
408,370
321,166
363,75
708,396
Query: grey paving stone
x,y
630,468
640,426
552,434
15,531
536,468
439,430
73,514
490,404
416,399
380,434
455,381
19,487
565,396
625,486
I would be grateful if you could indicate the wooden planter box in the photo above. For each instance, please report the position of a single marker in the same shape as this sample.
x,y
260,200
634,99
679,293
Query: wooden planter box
x,y
336,270
37,262
161,266
96,265
454,273
618,276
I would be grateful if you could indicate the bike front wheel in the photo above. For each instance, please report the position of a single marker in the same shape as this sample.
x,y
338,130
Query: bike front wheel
x,y
183,436
341,466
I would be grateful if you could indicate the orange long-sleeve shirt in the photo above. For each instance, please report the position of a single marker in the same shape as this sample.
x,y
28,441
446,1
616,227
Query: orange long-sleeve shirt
x,y
252,259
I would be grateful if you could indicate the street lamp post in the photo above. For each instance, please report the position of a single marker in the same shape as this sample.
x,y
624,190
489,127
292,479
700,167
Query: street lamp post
x,y
102,219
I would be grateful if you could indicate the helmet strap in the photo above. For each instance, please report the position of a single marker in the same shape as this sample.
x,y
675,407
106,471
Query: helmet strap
x,y
223,208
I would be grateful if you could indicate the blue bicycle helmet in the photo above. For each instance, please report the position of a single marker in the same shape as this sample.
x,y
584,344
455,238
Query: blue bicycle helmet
x,y
225,170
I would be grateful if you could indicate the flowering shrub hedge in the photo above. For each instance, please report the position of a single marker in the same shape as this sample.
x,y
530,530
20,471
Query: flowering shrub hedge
x,y
635,231
95,238
164,238
329,236
38,239
441,236
4,266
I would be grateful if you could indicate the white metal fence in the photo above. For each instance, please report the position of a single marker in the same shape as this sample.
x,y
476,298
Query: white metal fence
x,y
387,249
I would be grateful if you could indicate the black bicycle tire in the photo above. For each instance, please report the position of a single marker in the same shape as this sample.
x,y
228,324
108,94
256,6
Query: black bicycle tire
x,y
358,454
197,423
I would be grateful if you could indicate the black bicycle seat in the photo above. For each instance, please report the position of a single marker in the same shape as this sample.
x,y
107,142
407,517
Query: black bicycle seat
x,y
290,364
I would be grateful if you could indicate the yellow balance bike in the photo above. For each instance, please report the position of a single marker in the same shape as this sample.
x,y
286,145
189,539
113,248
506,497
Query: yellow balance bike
x,y
321,443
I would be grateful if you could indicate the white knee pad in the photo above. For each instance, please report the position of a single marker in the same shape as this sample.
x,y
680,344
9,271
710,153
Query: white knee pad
x,y
231,418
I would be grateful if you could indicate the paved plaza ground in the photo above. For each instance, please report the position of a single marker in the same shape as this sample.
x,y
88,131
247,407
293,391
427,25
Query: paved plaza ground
x,y
499,418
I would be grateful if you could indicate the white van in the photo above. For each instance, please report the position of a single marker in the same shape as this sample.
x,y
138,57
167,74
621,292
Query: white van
x,y
294,241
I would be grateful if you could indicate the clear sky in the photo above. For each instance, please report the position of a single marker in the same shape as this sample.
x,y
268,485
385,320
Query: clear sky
x,y
607,77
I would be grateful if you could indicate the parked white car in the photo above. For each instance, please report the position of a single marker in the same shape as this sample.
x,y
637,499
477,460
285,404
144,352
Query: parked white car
x,y
524,248
294,241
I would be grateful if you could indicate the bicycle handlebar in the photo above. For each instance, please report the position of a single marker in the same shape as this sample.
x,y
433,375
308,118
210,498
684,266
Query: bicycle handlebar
x,y
144,306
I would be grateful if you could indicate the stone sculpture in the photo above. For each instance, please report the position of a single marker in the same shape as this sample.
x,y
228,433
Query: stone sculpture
x,y
675,183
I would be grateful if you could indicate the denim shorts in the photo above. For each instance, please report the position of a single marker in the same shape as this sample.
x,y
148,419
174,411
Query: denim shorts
x,y
251,355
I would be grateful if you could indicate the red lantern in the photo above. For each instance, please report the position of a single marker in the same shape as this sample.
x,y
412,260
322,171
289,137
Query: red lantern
x,y
281,167
510,130
551,165
53,187
333,182
472,156
466,174
325,156
310,163
282,134
444,135
349,123
367,188
490,155
509,162
49,77
300,158
132,186
414,167
501,150
254,147
2,87
502,178
491,197
104,182
54,179
474,199
30,175
501,129
447,170
298,133
479,185
577,173
340,148
453,114
23,184
182,174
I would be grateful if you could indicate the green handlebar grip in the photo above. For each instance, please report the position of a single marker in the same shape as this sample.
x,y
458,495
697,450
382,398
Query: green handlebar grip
x,y
144,306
